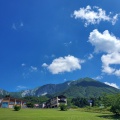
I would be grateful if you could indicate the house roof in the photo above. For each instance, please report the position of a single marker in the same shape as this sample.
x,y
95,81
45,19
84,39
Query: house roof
x,y
61,96
13,99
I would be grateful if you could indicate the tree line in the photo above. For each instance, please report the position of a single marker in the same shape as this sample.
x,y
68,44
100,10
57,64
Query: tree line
x,y
111,101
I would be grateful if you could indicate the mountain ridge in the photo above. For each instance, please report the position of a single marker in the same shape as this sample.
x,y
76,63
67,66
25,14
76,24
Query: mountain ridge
x,y
83,87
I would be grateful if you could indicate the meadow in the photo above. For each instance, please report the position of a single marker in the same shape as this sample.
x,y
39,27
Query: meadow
x,y
53,114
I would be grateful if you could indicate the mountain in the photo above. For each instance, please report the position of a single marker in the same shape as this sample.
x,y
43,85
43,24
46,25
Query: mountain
x,y
88,87
46,89
3,93
84,87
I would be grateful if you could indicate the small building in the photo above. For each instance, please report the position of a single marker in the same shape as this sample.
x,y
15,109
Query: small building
x,y
36,105
11,102
0,102
43,105
56,101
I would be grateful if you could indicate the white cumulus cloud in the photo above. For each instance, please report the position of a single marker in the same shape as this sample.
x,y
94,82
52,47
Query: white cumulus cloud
x,y
111,59
104,42
94,15
64,64
110,46
112,84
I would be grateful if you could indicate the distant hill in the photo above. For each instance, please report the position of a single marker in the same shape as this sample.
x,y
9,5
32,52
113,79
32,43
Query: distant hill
x,y
84,87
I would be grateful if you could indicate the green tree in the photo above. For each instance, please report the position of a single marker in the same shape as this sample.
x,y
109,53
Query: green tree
x,y
80,102
115,108
108,99
34,99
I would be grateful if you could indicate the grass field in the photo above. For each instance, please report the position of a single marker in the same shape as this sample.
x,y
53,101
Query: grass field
x,y
51,114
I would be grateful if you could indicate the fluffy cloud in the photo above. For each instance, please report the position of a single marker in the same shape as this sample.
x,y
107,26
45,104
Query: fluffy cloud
x,y
110,45
104,42
111,59
64,64
112,84
94,15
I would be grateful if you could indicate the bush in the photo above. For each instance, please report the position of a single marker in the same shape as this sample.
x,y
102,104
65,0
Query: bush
x,y
30,105
63,107
17,108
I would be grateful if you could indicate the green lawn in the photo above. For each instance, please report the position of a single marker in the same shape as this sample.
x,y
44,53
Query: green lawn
x,y
50,114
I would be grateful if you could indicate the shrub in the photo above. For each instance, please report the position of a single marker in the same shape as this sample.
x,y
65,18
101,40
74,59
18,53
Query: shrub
x,y
63,107
30,104
17,108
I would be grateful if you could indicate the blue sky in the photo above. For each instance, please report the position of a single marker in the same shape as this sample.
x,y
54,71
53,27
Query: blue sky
x,y
53,41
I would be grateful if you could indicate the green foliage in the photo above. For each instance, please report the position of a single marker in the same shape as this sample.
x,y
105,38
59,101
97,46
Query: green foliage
x,y
17,108
30,105
80,102
107,100
7,96
69,103
63,107
115,108
15,94
34,99
1,96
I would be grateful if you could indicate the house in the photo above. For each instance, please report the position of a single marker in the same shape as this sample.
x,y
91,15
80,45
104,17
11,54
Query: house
x,y
56,101
43,105
36,105
11,102
0,102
